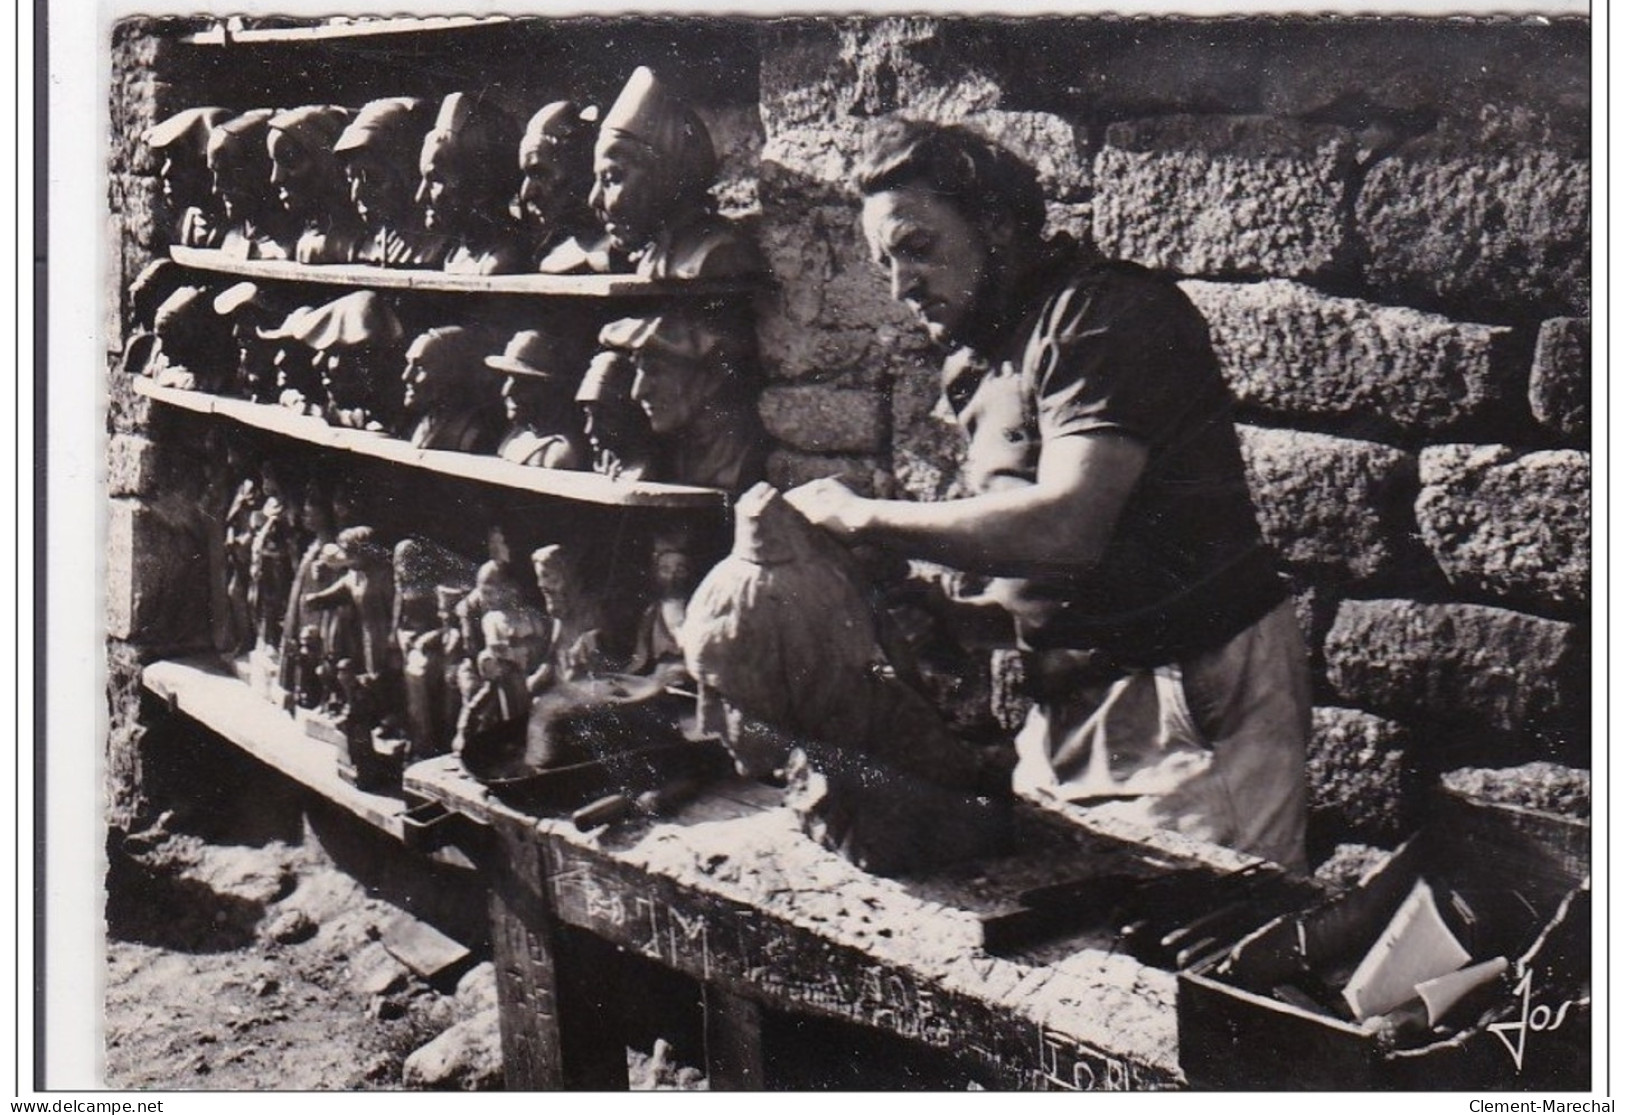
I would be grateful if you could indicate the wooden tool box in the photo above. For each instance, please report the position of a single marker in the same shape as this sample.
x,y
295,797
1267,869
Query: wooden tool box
x,y
1522,874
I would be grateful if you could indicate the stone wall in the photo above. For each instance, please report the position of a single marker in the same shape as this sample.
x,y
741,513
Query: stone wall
x,y
1385,222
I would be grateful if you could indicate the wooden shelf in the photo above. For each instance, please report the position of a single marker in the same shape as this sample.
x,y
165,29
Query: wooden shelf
x,y
221,35
205,690
580,487
385,278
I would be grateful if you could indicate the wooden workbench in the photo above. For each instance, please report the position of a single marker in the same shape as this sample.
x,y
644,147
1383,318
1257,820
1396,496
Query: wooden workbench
x,y
731,894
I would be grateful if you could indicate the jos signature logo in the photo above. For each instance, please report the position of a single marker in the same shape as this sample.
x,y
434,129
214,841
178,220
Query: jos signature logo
x,y
1529,1020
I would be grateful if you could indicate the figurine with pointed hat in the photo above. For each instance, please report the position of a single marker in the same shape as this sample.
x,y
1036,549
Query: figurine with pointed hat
x,y
467,181
653,169
180,142
555,176
380,150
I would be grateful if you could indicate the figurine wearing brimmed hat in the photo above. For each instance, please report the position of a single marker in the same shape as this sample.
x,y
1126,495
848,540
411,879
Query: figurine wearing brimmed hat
x,y
357,341
467,182
537,387
298,381
181,142
653,169
380,153
617,429
193,348
252,308
240,166
448,387
555,176
693,382
309,180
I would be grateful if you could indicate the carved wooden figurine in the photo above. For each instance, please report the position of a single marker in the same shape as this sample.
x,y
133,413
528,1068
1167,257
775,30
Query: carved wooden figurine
x,y
696,383
240,166
555,167
273,561
242,522
575,644
309,180
357,343
359,602
538,378
784,633
380,152
298,381
467,181
193,345
657,649
450,393
180,142
653,169
617,430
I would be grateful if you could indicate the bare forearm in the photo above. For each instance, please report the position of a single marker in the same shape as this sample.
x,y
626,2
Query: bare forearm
x,y
1008,533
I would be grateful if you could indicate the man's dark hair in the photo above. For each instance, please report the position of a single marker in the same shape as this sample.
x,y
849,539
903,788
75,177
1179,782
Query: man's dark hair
x,y
983,180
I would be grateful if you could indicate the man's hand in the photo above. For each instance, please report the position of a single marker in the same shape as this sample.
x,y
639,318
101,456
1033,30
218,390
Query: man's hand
x,y
832,505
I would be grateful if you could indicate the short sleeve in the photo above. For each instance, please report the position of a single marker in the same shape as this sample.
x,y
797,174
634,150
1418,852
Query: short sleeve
x,y
1125,353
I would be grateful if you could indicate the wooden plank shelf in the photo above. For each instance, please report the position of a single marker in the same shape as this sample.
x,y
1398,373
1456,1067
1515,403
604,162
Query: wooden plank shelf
x,y
205,690
221,34
385,278
580,487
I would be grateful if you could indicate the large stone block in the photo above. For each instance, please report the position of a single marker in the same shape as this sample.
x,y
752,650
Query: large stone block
x,y
1225,195
1362,785
1560,381
1461,663
1290,350
1495,230
832,318
822,419
1510,525
1335,509
132,465
786,469
823,83
736,133
157,571
928,446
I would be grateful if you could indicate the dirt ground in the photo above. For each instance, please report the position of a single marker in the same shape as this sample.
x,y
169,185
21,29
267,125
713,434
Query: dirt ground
x,y
262,967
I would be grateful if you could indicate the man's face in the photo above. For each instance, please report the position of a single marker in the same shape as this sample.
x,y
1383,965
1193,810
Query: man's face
x,y
626,195
938,261
422,382
671,392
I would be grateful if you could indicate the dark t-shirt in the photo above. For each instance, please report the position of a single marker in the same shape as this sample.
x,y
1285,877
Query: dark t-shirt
x,y
1092,345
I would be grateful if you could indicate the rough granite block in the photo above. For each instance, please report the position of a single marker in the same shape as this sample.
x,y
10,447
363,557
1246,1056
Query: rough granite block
x,y
1461,663
1225,195
1291,350
1511,525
